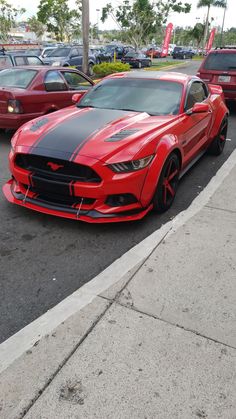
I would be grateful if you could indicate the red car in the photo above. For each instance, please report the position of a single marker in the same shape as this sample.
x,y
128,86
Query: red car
x,y
154,52
120,152
30,92
219,67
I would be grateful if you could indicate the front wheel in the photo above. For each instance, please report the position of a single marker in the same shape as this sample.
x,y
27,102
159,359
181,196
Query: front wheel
x,y
167,184
217,145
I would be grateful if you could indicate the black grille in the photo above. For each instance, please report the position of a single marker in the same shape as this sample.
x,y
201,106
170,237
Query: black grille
x,y
65,172
65,200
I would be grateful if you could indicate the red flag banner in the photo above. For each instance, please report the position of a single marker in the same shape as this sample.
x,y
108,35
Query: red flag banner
x,y
165,46
211,39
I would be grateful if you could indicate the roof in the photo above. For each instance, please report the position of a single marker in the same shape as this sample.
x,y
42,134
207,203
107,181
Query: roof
x,y
164,75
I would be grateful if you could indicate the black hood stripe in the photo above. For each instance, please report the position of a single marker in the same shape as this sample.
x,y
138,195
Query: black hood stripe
x,y
66,139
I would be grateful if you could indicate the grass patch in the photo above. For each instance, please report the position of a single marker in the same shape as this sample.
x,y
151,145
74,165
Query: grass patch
x,y
164,64
198,58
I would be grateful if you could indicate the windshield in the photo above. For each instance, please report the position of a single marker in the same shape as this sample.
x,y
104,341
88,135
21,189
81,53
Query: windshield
x,y
222,61
16,78
139,95
60,52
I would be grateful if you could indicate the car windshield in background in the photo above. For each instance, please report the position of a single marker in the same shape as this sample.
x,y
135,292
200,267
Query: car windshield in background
x,y
16,78
61,52
33,51
137,95
222,61
132,54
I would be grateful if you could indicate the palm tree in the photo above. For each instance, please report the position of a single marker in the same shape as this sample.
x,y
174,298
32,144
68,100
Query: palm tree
x,y
209,4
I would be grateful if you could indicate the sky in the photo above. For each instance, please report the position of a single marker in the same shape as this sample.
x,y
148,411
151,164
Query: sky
x,y
196,15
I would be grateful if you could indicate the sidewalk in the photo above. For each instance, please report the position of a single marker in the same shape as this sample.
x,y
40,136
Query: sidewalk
x,y
159,344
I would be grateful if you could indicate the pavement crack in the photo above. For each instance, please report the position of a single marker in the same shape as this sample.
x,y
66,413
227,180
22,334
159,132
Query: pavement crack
x,y
46,385
179,326
221,209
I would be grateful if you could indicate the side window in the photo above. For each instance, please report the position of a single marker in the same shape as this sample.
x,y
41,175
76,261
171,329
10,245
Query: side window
x,y
5,61
197,93
34,61
74,52
20,60
54,82
76,81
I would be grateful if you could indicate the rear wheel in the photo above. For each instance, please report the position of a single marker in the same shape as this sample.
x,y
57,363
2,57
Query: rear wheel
x,y
167,185
217,145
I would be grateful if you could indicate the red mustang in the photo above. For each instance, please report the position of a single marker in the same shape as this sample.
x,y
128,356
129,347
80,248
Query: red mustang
x,y
121,151
30,92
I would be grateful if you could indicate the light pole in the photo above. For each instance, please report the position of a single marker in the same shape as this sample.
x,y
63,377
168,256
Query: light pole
x,y
85,29
223,24
97,10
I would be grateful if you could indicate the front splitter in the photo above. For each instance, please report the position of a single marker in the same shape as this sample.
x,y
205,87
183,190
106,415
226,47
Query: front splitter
x,y
88,216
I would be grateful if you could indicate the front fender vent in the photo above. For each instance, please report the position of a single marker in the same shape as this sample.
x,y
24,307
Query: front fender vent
x,y
121,135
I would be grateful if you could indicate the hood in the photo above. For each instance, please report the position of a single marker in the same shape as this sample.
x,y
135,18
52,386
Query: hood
x,y
90,132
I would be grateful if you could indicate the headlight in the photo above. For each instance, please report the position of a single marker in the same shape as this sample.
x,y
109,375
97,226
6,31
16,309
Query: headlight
x,y
14,106
56,64
132,165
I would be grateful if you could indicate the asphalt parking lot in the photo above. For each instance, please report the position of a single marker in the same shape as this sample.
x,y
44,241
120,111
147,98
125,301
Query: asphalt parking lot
x,y
44,258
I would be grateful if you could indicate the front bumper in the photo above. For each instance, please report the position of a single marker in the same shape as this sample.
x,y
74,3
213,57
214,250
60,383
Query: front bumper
x,y
28,200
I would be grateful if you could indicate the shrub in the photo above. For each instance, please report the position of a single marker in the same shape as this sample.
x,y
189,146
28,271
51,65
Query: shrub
x,y
105,69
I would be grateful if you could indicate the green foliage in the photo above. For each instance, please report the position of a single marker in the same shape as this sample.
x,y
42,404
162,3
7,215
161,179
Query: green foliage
x,y
105,69
8,15
141,19
36,26
197,32
59,18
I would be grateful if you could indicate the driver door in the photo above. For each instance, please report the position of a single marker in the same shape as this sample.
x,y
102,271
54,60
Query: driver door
x,y
195,127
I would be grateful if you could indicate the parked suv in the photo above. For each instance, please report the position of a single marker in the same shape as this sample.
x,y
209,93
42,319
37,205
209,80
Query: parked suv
x,y
182,53
69,56
14,59
219,67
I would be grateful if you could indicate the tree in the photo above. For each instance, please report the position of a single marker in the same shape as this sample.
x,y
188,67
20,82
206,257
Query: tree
x,y
36,26
197,32
141,19
209,4
59,19
8,15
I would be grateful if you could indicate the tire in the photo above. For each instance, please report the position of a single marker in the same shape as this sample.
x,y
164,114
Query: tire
x,y
149,64
167,185
139,65
218,143
90,69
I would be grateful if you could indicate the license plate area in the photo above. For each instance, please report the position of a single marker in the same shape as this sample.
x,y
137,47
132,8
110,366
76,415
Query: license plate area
x,y
224,79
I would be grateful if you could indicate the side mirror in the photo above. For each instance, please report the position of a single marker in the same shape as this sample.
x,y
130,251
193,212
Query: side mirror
x,y
76,97
199,108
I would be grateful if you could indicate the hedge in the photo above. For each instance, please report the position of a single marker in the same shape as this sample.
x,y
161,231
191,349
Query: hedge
x,y
105,69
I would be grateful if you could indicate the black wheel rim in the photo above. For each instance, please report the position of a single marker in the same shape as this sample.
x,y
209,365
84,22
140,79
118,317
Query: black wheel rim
x,y
170,182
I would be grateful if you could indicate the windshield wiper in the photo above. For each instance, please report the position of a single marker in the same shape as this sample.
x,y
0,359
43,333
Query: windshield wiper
x,y
85,106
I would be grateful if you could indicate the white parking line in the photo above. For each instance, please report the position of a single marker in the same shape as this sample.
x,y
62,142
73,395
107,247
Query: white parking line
x,y
23,340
